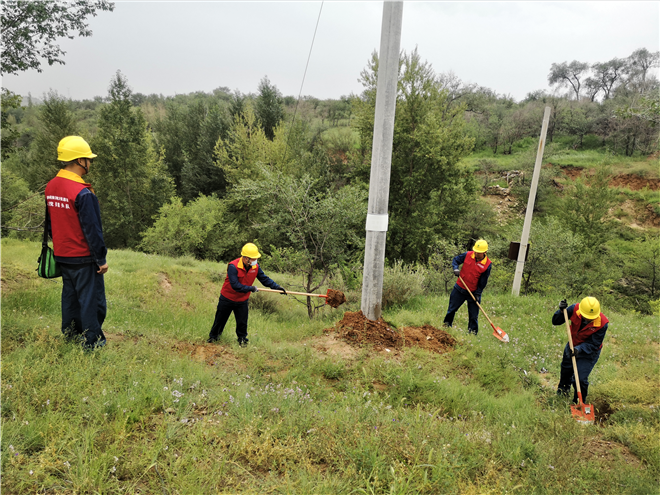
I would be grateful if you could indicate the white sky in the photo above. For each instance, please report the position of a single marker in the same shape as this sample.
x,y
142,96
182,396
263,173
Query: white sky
x,y
179,47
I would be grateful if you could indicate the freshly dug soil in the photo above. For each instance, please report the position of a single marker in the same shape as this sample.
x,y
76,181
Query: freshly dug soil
x,y
357,329
335,298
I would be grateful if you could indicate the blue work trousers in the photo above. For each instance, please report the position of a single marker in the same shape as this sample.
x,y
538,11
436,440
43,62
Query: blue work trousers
x,y
585,363
225,308
83,303
456,299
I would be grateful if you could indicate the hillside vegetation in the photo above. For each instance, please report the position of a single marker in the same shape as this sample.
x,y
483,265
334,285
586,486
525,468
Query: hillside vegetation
x,y
300,410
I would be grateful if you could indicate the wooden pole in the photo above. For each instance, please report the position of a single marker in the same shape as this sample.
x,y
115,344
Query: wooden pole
x,y
520,265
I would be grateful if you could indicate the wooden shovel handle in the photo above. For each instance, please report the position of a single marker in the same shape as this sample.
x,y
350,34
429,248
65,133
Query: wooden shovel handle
x,y
294,293
475,300
570,343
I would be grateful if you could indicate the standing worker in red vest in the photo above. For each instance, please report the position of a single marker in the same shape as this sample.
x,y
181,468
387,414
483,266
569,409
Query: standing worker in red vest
x,y
236,291
475,272
588,328
74,222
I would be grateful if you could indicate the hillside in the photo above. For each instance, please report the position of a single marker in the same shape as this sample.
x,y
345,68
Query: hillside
x,y
303,409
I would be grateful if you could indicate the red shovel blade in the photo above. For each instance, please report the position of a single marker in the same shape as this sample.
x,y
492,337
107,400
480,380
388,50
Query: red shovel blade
x,y
498,333
583,413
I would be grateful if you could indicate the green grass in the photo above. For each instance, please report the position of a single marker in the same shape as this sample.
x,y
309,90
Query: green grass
x,y
159,411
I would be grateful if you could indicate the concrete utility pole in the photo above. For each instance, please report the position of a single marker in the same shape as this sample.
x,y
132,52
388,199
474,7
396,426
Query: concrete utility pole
x,y
381,160
520,265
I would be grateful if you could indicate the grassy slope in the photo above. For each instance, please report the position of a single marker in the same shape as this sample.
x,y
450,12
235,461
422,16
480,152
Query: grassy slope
x,y
143,415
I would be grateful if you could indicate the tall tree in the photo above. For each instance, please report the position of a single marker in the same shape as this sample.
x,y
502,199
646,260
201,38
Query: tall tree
x,y
56,121
30,30
566,74
642,60
268,107
609,73
130,178
429,189
9,132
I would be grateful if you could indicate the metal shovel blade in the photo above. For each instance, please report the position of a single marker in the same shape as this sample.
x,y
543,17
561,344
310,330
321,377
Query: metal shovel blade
x,y
498,333
583,413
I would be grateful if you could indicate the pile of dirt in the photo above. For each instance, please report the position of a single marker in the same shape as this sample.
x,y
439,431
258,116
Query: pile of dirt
x,y
635,182
358,330
335,298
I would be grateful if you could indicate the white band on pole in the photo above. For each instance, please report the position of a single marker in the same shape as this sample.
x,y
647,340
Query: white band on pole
x,y
377,223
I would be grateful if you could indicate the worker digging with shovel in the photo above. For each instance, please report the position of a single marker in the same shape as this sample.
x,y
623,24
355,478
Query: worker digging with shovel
x,y
472,280
587,331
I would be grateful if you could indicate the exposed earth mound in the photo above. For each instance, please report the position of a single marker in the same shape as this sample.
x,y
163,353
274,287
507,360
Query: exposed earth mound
x,y
357,329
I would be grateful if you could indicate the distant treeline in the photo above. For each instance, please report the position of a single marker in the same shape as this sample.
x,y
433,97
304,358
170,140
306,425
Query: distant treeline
x,y
202,173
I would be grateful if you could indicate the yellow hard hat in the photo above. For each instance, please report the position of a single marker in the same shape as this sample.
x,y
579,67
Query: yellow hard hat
x,y
590,308
72,147
480,246
250,250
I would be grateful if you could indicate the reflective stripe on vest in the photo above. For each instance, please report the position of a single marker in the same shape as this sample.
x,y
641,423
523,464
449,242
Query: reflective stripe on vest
x,y
246,277
472,270
68,238
589,329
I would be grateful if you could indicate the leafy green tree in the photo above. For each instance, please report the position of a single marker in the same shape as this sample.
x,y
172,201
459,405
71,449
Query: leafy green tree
x,y
429,189
56,121
312,230
30,30
268,107
129,176
22,209
9,132
569,75
199,174
199,229
585,207
609,73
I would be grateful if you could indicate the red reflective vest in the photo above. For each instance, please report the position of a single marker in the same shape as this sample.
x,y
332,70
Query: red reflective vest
x,y
590,328
246,277
472,270
68,238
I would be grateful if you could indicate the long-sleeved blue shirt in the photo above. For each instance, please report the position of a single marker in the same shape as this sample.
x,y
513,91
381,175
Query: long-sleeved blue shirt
x,y
232,274
593,342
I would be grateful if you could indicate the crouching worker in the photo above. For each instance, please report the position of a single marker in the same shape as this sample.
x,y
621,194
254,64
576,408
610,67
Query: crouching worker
x,y
475,273
236,291
588,328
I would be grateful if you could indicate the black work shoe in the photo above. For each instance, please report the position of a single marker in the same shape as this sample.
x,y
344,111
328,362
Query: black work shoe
x,y
243,343
446,325
211,340
472,332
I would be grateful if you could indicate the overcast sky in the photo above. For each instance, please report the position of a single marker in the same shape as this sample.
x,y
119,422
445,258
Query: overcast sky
x,y
179,47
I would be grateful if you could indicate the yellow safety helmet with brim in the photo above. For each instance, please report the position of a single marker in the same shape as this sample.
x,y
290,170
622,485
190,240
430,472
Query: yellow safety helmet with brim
x,y
72,147
480,246
590,308
250,250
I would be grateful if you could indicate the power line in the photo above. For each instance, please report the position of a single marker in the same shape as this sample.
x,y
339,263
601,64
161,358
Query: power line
x,y
303,81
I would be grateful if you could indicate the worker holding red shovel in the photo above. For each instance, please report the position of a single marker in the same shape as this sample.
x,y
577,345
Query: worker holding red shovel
x,y
588,327
472,278
236,290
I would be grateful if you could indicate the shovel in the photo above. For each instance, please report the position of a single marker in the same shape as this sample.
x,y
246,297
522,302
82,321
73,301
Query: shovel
x,y
498,333
583,413
333,297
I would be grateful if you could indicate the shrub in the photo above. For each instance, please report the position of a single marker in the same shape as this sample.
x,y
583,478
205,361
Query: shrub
x,y
197,229
401,283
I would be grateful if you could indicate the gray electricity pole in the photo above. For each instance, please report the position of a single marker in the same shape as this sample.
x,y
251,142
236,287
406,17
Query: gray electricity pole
x,y
381,160
520,265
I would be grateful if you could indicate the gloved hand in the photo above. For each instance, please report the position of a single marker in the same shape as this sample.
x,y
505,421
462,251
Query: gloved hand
x,y
457,272
575,352
283,291
563,305
254,289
